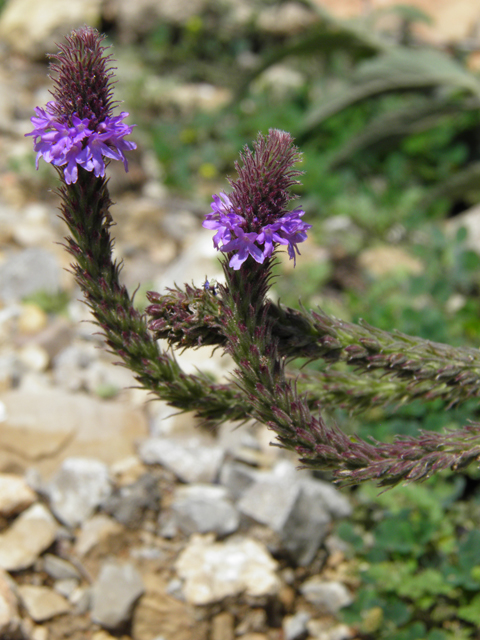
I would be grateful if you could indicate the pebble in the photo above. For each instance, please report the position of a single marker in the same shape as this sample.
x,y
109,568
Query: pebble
x,y
41,602
295,627
128,503
95,531
201,508
189,459
335,502
9,620
59,569
237,477
15,494
114,594
30,534
215,570
306,527
78,488
66,587
271,498
328,596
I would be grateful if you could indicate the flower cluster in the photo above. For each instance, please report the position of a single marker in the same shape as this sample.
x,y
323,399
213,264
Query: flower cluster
x,y
232,234
80,144
77,128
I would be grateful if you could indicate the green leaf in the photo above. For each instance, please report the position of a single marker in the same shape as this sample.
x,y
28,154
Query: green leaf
x,y
424,583
471,612
398,69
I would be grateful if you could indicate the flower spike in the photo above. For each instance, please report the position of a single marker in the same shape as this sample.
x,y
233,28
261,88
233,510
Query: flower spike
x,y
254,220
78,128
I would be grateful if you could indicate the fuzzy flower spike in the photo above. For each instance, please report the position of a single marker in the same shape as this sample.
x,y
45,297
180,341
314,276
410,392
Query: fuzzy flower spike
x,y
78,128
253,220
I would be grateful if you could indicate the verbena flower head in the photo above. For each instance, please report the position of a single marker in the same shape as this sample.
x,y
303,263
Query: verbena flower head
x,y
77,128
253,220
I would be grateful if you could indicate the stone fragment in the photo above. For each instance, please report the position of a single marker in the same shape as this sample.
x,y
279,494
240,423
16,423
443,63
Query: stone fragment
x,y
95,531
191,460
295,627
44,427
15,494
271,498
28,271
115,593
159,615
203,508
332,499
9,619
30,534
78,488
59,569
329,596
215,570
42,603
237,477
294,505
306,528
65,587
128,503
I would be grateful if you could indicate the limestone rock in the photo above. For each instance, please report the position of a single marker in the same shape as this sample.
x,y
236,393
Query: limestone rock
x,y
59,569
15,494
190,459
42,603
29,535
44,427
214,570
78,488
329,596
114,594
202,508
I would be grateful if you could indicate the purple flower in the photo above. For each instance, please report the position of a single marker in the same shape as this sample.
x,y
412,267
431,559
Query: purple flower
x,y
253,220
231,235
61,145
77,128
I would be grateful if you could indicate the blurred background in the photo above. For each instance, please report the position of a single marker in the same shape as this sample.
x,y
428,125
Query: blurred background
x,y
383,100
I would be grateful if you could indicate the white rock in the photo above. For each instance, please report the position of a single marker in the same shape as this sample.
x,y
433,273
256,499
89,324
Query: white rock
x,y
78,489
29,535
214,570
114,594
15,494
189,459
328,596
42,603
202,508
271,498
